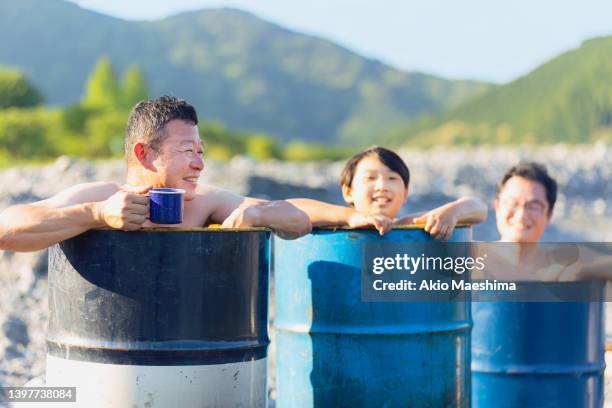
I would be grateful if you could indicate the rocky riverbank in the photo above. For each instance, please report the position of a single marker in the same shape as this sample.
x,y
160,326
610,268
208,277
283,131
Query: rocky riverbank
x,y
582,213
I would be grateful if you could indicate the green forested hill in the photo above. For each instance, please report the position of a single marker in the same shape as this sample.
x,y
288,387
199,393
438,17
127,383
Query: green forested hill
x,y
235,67
568,99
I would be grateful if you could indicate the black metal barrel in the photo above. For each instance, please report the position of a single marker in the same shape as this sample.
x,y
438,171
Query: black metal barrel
x,y
160,317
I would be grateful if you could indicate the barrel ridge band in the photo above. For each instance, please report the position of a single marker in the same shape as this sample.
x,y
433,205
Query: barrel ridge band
x,y
530,369
157,357
400,330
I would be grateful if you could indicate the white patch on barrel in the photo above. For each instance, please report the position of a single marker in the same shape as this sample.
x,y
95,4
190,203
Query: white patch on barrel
x,y
112,385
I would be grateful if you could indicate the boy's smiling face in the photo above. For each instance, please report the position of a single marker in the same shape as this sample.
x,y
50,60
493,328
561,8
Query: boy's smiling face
x,y
376,188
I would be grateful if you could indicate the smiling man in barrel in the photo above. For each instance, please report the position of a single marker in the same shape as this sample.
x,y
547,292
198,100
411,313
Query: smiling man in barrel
x,y
524,203
163,149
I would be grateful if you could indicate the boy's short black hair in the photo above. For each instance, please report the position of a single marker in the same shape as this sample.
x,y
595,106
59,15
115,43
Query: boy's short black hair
x,y
148,118
387,157
535,172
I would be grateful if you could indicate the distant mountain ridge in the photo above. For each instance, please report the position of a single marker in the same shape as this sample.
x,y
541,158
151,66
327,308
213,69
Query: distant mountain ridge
x,y
567,99
236,68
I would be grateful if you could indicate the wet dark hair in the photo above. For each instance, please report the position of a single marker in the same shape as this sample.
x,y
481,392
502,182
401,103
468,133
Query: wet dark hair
x,y
148,118
535,172
386,157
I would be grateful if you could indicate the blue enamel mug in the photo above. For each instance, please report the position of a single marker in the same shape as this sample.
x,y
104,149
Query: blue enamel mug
x,y
166,205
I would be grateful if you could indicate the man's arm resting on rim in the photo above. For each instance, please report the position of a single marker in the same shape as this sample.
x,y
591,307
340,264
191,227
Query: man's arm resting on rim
x,y
31,227
235,211
284,218
324,214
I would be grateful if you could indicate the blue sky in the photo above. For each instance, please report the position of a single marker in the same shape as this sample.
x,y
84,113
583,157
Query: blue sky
x,y
489,40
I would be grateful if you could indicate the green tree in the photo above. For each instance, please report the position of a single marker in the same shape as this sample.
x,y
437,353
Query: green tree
x,y
17,91
74,117
218,151
300,151
102,88
262,147
105,134
133,87
28,133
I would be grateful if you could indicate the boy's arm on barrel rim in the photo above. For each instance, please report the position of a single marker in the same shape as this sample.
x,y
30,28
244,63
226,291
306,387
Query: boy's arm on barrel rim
x,y
441,221
467,210
322,214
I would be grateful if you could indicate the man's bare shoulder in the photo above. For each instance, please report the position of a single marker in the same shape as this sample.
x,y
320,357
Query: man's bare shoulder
x,y
217,203
81,193
208,192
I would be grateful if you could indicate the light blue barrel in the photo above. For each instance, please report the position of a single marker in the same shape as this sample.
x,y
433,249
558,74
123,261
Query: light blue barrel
x,y
333,350
536,354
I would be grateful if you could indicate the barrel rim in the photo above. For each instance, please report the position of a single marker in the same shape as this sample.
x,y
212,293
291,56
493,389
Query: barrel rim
x,y
370,228
217,228
193,229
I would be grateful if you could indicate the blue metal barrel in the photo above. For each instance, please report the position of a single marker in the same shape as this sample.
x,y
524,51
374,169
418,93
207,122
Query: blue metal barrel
x,y
535,354
333,350
170,318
